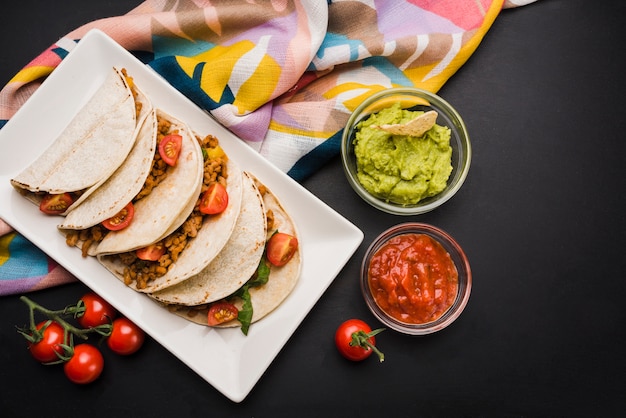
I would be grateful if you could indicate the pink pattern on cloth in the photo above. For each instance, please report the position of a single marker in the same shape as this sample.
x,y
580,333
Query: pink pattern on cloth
x,y
462,13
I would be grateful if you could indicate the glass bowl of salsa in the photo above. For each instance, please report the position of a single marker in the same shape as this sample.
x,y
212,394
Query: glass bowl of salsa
x,y
405,173
415,278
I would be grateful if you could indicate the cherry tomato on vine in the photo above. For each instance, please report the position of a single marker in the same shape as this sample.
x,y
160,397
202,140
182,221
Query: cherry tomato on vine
x,y
126,337
280,248
97,311
85,366
355,340
45,350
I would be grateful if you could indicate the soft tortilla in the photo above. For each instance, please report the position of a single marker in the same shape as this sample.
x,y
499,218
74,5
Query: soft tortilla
x,y
234,265
92,146
119,189
145,127
165,208
281,283
211,238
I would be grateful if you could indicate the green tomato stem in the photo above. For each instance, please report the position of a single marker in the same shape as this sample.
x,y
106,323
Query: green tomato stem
x,y
58,316
362,339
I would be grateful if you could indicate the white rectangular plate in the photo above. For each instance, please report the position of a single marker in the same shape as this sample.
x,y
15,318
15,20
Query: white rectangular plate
x,y
227,359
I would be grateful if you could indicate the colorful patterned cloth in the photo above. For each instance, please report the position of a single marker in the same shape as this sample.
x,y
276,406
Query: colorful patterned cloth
x,y
282,75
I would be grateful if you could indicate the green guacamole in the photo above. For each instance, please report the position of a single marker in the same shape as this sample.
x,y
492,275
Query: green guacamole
x,y
399,168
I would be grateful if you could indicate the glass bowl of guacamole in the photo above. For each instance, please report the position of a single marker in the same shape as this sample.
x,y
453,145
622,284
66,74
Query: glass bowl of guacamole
x,y
398,169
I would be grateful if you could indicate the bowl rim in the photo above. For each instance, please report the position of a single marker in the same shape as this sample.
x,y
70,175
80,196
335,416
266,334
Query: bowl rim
x,y
462,265
438,199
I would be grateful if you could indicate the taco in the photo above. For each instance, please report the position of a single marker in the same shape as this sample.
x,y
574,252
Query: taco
x,y
91,147
113,195
186,247
206,244
237,261
169,203
257,294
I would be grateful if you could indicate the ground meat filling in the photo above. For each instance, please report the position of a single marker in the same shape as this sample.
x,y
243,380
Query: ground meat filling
x,y
158,173
88,237
141,271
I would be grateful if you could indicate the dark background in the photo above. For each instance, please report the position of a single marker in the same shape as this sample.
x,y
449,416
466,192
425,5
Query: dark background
x,y
541,217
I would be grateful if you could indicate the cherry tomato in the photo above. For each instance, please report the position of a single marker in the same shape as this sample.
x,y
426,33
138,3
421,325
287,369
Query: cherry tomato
x,y
122,219
85,366
355,340
126,337
152,252
280,248
97,311
55,204
46,349
221,312
214,200
169,148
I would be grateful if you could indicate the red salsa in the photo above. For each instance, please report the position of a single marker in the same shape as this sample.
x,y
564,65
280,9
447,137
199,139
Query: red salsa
x,y
413,278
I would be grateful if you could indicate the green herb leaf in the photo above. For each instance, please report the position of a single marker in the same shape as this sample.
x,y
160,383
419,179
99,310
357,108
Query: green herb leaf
x,y
245,313
262,273
259,279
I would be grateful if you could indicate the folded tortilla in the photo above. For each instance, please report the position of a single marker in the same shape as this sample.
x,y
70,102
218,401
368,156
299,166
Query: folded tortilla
x,y
266,298
119,189
90,148
282,279
210,240
234,264
166,207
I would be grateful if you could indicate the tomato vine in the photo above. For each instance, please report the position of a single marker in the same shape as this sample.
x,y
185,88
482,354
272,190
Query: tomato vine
x,y
34,335
52,340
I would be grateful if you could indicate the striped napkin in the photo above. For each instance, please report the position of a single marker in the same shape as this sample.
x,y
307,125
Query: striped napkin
x,y
282,75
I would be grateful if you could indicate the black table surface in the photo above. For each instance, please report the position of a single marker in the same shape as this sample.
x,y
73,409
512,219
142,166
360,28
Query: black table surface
x,y
541,216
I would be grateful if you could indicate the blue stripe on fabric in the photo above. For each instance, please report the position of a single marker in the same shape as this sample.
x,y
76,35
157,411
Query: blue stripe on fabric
x,y
382,65
25,260
62,53
308,164
143,56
